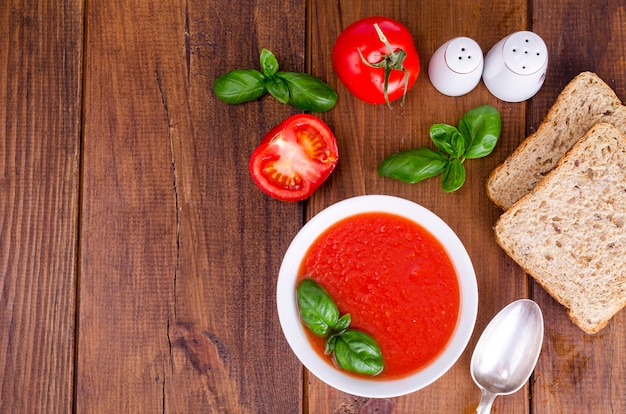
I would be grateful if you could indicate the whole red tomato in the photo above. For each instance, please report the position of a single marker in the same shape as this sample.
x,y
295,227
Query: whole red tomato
x,y
294,158
376,65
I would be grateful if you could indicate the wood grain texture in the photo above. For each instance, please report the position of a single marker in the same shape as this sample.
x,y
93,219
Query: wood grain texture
x,y
225,287
577,372
128,221
180,250
367,134
138,260
40,106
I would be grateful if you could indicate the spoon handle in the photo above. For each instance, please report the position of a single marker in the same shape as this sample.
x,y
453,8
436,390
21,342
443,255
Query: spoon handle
x,y
486,400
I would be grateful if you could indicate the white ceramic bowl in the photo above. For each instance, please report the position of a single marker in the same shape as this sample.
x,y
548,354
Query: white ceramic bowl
x,y
295,331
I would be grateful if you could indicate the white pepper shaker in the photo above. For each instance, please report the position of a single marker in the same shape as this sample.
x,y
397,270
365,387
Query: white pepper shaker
x,y
516,66
456,67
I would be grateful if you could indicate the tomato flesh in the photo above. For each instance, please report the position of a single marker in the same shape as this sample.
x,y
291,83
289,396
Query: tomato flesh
x,y
366,82
294,158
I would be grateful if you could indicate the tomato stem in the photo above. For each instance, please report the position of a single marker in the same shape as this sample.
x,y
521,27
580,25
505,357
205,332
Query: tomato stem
x,y
390,61
383,39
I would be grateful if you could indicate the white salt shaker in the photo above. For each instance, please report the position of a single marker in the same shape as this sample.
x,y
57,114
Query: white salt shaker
x,y
456,67
516,66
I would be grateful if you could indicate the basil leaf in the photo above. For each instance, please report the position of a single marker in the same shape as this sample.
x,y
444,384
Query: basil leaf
x,y
448,139
329,345
343,323
358,352
240,85
338,330
413,165
269,64
454,176
481,128
317,309
278,89
308,93
301,90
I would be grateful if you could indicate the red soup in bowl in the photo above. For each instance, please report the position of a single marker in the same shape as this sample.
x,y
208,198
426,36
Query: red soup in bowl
x,y
403,276
396,281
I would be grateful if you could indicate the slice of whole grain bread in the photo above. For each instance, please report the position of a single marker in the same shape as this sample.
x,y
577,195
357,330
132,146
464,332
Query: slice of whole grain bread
x,y
569,232
584,102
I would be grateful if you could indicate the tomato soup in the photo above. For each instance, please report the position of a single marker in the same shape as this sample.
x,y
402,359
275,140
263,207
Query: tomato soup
x,y
396,281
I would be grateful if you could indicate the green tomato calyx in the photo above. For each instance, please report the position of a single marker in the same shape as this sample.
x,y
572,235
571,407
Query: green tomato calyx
x,y
394,60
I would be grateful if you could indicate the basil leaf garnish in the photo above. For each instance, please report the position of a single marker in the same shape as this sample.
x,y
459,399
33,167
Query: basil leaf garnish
x,y
358,352
329,345
481,127
352,350
448,139
269,63
475,137
300,90
317,309
308,92
240,85
343,323
413,165
454,176
278,89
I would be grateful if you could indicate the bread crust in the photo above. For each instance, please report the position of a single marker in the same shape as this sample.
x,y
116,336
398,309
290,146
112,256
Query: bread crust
x,y
589,100
558,250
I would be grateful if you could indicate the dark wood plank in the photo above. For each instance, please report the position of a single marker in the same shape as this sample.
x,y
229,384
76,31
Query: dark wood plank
x,y
367,134
128,221
578,372
40,107
232,236
180,250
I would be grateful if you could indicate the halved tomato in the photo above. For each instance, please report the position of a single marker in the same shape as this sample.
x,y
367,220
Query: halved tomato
x,y
294,158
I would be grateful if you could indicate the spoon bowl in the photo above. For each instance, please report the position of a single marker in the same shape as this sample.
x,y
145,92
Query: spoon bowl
x,y
507,351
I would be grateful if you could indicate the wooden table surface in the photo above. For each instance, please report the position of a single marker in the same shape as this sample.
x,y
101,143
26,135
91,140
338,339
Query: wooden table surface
x,y
138,260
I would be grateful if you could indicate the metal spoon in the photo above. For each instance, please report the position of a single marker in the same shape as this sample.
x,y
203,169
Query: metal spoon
x,y
507,351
